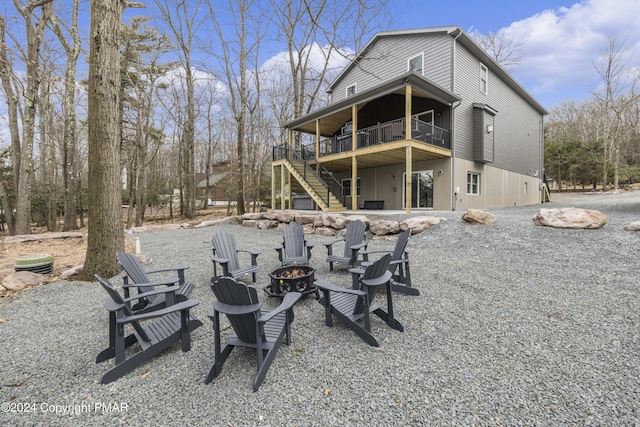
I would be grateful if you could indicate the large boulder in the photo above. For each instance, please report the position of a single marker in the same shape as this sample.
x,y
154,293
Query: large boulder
x,y
570,218
634,226
283,216
383,227
209,222
22,279
418,224
363,218
325,231
253,216
266,223
304,219
21,238
476,216
335,221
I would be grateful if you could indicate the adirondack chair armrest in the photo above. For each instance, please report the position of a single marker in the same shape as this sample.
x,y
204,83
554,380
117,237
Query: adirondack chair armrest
x,y
309,243
161,270
375,252
254,255
170,289
234,309
328,286
185,305
329,244
385,278
289,300
219,260
249,251
399,261
359,245
149,284
279,247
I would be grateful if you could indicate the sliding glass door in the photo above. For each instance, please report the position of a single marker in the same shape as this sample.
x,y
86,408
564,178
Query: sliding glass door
x,y
421,189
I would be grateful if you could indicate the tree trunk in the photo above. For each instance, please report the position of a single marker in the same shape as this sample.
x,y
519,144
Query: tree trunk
x,y
24,175
106,234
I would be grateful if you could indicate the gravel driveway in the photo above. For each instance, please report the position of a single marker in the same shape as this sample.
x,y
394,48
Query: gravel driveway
x,y
515,325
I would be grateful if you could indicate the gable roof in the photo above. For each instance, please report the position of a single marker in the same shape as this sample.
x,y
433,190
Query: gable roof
x,y
213,179
463,38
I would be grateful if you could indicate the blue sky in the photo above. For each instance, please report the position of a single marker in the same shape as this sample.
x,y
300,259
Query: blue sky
x,y
561,39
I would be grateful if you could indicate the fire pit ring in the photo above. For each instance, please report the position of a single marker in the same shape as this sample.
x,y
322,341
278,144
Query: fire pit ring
x,y
292,278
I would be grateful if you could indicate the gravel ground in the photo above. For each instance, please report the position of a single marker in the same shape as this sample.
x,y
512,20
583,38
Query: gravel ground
x,y
515,325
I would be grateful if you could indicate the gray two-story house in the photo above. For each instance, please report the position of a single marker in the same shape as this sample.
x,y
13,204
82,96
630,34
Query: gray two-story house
x,y
420,119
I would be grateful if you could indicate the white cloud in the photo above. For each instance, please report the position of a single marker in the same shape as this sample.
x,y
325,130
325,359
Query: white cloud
x,y
561,45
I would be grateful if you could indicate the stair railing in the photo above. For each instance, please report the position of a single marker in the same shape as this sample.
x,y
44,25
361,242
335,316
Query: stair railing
x,y
326,178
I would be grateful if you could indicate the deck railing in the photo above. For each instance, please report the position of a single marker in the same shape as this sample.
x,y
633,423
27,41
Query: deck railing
x,y
382,133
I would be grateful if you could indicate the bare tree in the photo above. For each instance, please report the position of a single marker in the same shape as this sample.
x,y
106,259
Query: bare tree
x,y
106,234
184,21
72,45
501,46
22,146
8,184
317,32
238,58
617,97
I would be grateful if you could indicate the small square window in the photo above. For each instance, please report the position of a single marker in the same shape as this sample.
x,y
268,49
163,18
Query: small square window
x,y
351,90
484,79
473,183
416,64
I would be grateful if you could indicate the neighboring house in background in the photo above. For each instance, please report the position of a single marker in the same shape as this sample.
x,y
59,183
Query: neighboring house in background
x,y
421,118
221,184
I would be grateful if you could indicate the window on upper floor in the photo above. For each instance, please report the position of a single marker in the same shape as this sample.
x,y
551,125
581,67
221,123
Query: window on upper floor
x,y
473,183
351,90
484,79
416,63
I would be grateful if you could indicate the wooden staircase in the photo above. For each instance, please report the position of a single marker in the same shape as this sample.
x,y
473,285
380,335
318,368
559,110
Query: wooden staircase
x,y
547,196
314,187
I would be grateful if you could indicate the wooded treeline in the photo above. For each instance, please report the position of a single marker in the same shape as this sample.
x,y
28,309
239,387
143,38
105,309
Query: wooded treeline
x,y
192,93
595,143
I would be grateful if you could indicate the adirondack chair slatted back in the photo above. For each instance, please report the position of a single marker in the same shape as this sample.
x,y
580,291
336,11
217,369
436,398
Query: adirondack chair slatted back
x,y
224,246
373,271
132,267
126,311
294,240
401,245
354,235
228,291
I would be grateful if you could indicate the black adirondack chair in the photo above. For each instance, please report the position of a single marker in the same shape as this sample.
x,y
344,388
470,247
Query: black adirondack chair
x,y
172,324
133,271
354,240
262,330
295,248
225,253
399,265
353,305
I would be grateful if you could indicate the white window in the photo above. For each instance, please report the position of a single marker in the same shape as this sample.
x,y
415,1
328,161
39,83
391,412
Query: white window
x,y
484,79
351,90
416,63
346,187
473,183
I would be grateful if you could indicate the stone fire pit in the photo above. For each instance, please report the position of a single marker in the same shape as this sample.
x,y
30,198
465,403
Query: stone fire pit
x,y
293,278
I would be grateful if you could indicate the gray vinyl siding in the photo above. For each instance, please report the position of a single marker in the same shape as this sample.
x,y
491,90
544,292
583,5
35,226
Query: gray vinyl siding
x,y
388,57
517,125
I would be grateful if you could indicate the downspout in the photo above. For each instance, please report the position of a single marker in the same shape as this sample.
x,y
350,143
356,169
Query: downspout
x,y
541,176
454,195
